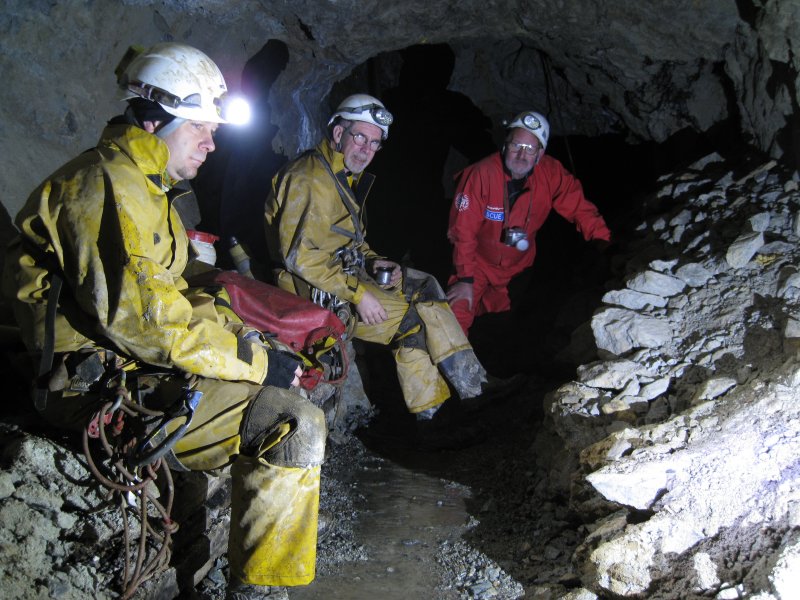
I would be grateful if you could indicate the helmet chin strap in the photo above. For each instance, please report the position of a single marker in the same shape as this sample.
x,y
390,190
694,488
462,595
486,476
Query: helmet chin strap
x,y
138,113
168,128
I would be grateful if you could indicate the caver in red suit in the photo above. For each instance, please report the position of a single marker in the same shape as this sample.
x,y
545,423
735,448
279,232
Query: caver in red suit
x,y
489,200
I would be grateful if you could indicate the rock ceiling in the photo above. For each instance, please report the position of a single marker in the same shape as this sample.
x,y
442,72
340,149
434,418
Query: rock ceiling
x,y
646,70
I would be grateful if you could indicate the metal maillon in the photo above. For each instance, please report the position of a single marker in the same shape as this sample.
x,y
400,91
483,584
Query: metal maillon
x,y
352,259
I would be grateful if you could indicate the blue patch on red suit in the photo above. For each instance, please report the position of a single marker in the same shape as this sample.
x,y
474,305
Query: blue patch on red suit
x,y
493,215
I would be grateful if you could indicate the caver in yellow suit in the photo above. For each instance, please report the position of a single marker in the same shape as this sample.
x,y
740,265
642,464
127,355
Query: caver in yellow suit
x,y
315,229
104,224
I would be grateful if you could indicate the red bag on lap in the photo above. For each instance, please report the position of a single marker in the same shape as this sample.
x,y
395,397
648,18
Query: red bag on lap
x,y
294,321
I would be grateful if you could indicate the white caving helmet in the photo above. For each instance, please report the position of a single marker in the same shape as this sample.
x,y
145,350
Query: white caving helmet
x,y
534,122
183,80
363,107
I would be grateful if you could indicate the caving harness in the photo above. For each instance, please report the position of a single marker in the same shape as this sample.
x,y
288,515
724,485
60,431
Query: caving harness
x,y
349,256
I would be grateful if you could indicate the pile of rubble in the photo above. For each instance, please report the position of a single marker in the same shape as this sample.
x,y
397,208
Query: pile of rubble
x,y
687,431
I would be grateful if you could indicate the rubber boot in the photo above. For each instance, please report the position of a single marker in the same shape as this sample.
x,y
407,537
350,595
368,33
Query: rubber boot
x,y
443,335
273,538
354,407
465,373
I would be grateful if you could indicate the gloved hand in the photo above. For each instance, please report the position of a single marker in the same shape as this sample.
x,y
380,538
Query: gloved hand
x,y
284,369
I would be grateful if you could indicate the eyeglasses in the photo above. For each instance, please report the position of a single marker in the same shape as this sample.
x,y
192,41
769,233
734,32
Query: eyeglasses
x,y
359,139
529,149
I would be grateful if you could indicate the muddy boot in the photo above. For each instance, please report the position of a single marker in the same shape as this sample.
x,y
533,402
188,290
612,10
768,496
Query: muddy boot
x,y
464,372
351,407
247,591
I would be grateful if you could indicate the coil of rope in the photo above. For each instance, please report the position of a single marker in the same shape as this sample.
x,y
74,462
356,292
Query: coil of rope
x,y
121,458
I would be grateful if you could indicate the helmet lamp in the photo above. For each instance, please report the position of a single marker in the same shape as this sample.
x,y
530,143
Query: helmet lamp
x,y
379,114
234,109
531,122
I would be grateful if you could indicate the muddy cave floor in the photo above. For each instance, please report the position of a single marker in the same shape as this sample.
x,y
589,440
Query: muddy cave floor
x,y
459,513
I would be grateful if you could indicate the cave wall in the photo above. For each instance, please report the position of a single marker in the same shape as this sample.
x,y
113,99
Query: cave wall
x,y
646,70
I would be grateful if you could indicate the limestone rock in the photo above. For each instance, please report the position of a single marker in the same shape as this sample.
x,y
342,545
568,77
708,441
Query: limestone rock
x,y
638,488
609,374
744,248
651,282
760,222
618,331
713,388
693,274
634,300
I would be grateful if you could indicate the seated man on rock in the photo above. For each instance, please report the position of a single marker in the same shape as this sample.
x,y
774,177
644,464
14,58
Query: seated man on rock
x,y
315,230
95,278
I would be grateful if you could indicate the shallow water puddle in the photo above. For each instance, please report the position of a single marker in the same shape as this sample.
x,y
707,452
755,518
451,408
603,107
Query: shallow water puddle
x,y
403,517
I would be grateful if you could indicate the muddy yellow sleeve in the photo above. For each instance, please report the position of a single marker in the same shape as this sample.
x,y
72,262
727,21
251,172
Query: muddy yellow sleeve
x,y
309,205
122,249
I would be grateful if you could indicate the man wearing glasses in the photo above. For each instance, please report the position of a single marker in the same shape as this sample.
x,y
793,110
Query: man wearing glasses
x,y
500,204
315,232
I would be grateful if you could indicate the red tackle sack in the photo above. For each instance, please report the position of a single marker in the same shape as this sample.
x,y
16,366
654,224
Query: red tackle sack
x,y
294,321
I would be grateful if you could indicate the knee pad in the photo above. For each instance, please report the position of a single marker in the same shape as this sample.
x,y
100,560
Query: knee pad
x,y
411,332
284,429
419,286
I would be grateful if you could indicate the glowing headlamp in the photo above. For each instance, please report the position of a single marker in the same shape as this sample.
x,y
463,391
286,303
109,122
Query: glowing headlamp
x,y
234,109
531,122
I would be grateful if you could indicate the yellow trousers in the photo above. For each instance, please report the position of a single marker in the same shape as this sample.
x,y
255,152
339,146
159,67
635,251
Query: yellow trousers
x,y
274,440
420,379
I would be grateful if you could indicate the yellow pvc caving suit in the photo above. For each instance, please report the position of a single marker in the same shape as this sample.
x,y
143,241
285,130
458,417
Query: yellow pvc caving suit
x,y
104,223
312,213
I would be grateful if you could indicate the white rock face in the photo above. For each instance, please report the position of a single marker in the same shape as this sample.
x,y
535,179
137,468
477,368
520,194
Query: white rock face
x,y
611,374
714,387
707,578
744,248
634,300
639,489
659,284
618,331
709,449
786,575
693,274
